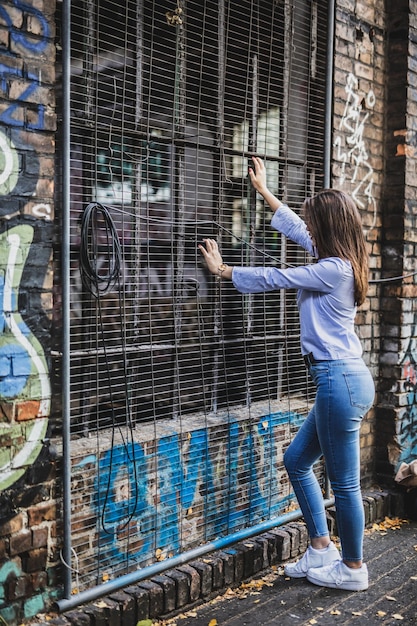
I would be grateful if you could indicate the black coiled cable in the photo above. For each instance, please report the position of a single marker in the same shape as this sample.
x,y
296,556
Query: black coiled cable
x,y
96,220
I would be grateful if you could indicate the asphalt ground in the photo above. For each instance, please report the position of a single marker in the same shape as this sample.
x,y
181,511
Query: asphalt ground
x,y
271,598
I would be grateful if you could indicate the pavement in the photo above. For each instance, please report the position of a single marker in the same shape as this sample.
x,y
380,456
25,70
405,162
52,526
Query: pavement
x,y
245,584
272,599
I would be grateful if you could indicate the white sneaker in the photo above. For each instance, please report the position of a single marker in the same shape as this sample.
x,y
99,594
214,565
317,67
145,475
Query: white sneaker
x,y
337,575
312,558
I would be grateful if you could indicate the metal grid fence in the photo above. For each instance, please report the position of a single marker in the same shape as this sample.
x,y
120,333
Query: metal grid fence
x,y
184,393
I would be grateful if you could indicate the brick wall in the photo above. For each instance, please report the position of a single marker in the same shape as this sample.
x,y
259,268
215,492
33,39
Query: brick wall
x,y
27,171
373,159
396,440
358,163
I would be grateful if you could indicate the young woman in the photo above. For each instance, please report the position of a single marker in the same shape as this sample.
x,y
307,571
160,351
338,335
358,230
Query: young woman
x,y
328,293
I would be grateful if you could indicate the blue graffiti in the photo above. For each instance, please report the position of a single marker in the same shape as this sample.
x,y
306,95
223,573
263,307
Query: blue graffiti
x,y
408,423
184,475
20,37
15,369
15,362
33,45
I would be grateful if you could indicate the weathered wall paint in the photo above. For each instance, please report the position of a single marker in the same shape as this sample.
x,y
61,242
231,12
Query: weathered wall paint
x,y
407,422
180,490
26,152
356,166
25,392
27,146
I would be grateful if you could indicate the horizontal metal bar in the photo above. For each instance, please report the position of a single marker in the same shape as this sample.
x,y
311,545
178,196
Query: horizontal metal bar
x,y
186,142
154,347
65,604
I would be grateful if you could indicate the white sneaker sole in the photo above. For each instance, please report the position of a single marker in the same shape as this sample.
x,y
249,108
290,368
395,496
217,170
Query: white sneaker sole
x,y
346,585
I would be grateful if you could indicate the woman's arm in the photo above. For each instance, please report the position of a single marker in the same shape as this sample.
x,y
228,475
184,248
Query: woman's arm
x,y
258,180
210,250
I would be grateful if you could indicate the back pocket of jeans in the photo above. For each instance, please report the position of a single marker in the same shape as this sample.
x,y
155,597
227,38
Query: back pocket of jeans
x,y
361,389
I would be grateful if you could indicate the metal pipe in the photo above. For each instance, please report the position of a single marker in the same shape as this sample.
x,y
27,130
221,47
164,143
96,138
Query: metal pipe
x,y
66,371
152,570
328,122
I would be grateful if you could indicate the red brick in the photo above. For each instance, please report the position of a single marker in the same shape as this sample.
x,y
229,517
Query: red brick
x,y
40,537
17,587
27,410
21,542
44,512
36,560
13,525
39,580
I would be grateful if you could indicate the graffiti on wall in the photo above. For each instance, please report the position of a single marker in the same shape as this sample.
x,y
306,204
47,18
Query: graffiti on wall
x,y
351,150
25,113
407,423
24,378
169,495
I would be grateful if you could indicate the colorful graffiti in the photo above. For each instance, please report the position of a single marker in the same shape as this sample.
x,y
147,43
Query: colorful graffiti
x,y
21,84
24,381
182,490
407,424
32,606
26,64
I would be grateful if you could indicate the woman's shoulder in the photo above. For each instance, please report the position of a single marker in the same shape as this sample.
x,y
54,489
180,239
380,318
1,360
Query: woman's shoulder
x,y
336,265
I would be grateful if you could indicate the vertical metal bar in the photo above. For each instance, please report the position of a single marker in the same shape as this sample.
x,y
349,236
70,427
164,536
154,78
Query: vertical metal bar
x,y
139,61
88,317
328,125
221,75
137,225
66,371
328,122
179,132
286,95
89,48
252,146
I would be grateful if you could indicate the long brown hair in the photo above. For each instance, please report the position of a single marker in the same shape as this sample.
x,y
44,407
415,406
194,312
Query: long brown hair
x,y
335,225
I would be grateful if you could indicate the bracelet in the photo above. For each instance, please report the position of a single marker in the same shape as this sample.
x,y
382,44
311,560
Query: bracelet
x,y
221,269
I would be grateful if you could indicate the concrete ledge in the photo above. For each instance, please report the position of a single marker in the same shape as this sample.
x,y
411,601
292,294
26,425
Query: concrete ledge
x,y
187,586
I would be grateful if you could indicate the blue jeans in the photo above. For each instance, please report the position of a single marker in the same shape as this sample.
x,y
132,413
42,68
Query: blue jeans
x,y
345,392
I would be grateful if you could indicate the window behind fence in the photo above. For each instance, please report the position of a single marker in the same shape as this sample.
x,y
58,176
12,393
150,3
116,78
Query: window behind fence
x,y
169,100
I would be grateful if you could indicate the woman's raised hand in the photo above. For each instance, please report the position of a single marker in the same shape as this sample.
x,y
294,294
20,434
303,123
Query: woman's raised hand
x,y
257,175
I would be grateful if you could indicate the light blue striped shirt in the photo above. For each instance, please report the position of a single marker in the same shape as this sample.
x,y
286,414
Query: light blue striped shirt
x,y
325,294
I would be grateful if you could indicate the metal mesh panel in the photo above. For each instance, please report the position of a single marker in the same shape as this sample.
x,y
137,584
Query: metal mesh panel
x,y
169,101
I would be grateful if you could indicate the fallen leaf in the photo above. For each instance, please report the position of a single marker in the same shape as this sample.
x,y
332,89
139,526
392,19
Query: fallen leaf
x,y
102,605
